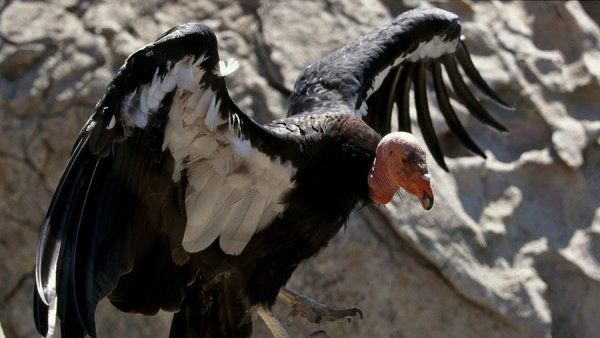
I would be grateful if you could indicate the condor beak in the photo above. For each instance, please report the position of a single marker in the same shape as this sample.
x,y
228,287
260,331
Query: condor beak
x,y
426,201
426,196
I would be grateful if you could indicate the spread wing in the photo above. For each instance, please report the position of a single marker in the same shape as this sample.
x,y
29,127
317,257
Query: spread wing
x,y
167,159
371,75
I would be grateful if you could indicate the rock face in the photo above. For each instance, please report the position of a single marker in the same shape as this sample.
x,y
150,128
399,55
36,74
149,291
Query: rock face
x,y
512,246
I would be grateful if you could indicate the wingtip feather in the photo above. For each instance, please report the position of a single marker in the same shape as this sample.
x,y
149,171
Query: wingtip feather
x,y
424,118
403,97
464,58
449,114
466,97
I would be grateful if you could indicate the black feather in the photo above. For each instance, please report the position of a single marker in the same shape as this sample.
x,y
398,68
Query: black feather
x,y
100,138
70,326
424,118
465,95
70,318
449,115
84,250
380,104
403,97
390,98
57,240
463,57
52,232
40,314
66,219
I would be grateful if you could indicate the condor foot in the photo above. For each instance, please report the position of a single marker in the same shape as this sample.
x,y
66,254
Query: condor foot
x,y
314,311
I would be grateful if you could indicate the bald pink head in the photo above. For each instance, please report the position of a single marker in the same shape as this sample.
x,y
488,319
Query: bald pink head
x,y
400,163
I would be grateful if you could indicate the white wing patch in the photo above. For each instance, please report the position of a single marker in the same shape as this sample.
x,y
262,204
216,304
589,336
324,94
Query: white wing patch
x,y
433,48
233,190
111,123
139,104
362,110
242,221
226,68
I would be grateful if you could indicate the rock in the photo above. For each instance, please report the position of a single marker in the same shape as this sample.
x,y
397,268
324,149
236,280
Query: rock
x,y
512,246
294,45
18,57
107,19
23,22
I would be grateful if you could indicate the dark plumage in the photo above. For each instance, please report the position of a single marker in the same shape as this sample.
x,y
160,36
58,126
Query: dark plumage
x,y
175,199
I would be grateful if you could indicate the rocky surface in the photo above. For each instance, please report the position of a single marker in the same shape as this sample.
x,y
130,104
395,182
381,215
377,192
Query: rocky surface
x,y
512,246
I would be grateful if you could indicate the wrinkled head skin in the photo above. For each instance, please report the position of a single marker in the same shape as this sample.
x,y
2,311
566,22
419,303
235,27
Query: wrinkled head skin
x,y
400,163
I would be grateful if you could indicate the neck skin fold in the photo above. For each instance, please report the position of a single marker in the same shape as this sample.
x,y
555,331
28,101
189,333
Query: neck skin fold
x,y
381,187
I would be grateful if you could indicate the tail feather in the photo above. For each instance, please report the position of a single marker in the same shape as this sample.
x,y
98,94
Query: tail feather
x,y
215,312
155,282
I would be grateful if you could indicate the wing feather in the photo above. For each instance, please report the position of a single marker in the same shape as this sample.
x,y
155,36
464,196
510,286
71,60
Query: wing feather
x,y
377,69
242,222
465,95
403,98
149,169
201,240
464,58
200,206
424,118
200,174
449,115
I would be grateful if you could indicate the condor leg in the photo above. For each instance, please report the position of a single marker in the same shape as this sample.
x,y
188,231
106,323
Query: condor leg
x,y
272,322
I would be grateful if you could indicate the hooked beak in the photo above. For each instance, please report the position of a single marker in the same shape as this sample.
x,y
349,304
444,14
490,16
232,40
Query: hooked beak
x,y
426,201
426,194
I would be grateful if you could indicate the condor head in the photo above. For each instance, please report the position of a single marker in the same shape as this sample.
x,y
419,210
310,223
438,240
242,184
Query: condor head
x,y
400,163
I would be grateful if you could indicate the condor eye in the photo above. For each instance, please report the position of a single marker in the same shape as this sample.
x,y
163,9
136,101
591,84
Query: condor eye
x,y
413,156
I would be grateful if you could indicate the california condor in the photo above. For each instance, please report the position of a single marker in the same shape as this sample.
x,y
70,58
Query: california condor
x,y
175,199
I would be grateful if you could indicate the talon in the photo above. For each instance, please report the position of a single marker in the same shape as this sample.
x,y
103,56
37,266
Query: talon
x,y
319,334
316,312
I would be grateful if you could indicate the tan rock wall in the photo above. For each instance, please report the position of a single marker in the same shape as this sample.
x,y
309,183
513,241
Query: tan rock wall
x,y
512,247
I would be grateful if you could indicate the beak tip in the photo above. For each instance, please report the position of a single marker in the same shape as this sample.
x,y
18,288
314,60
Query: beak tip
x,y
426,201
